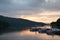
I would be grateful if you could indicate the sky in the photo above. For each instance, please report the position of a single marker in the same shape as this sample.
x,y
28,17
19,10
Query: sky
x,y
35,10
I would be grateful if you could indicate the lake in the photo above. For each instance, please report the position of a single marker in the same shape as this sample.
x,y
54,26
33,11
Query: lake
x,y
27,35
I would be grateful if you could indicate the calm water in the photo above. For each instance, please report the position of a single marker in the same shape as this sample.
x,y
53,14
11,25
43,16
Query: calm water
x,y
27,35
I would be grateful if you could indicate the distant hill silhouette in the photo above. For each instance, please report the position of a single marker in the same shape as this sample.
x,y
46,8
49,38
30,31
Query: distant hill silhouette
x,y
56,24
17,24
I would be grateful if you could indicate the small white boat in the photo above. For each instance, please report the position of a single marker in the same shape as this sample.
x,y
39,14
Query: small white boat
x,y
43,30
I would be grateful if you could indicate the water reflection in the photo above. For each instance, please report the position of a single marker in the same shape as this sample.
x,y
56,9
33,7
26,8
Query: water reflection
x,y
27,32
27,35
39,35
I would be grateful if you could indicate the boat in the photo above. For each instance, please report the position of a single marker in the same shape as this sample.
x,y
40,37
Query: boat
x,y
43,30
34,29
53,31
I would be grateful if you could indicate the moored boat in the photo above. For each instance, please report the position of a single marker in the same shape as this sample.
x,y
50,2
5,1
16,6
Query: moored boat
x,y
53,31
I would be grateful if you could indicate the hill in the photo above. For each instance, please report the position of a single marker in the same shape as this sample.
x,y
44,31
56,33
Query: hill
x,y
17,24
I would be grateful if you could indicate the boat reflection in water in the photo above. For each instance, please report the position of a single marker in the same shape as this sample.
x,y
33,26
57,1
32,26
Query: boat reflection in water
x,y
28,35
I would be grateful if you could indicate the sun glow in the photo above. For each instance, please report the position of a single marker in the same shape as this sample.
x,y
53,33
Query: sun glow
x,y
46,16
27,32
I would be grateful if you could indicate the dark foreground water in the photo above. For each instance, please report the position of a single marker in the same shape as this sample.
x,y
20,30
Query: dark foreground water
x,y
27,35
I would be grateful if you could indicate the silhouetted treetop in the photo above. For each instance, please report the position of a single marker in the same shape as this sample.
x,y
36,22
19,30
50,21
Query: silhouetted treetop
x,y
56,24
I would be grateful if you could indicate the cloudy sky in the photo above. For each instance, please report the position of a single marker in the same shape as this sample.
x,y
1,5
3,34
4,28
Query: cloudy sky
x,y
35,10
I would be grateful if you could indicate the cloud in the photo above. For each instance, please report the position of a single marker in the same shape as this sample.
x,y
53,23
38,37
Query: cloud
x,y
17,6
52,5
25,7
